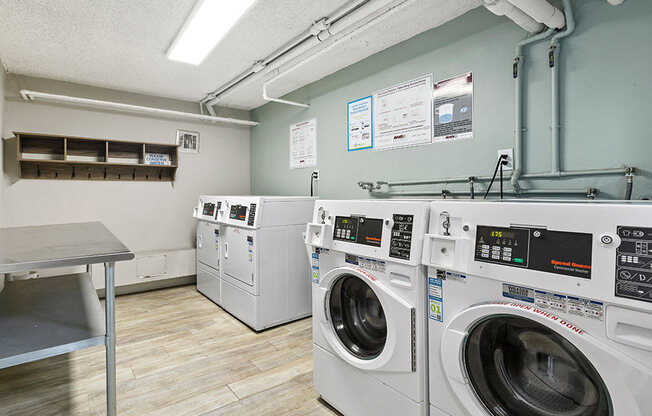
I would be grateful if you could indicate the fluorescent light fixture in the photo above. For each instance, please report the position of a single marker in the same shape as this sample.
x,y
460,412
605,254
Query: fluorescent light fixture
x,y
209,21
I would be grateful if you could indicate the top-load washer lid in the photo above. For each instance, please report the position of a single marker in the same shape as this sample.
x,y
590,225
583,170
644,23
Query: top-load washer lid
x,y
520,367
358,317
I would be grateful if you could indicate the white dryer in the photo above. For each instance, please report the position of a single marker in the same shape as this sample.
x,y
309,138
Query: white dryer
x,y
540,308
369,306
208,247
265,276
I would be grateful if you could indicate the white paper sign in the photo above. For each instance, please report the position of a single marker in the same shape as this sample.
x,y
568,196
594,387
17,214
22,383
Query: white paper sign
x,y
402,114
453,108
359,124
303,144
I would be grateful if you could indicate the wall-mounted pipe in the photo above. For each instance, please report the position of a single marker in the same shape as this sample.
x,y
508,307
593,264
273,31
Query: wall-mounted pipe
x,y
553,61
278,100
517,74
542,12
512,192
507,9
33,95
299,45
615,2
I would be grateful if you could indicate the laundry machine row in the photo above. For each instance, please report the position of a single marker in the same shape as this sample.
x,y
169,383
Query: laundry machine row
x,y
499,308
251,257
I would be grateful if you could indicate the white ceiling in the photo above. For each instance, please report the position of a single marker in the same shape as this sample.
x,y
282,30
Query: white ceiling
x,y
121,44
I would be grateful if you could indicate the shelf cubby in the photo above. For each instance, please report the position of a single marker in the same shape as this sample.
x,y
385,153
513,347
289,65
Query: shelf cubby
x,y
44,156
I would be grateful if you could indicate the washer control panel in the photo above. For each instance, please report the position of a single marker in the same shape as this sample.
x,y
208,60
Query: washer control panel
x,y
558,252
502,245
634,263
401,240
359,230
208,209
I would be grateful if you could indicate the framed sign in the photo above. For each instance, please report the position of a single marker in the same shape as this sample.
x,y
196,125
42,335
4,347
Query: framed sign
x,y
188,141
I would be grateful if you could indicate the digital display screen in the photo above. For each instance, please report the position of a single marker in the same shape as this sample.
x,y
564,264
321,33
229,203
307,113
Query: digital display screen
x,y
503,234
238,212
209,209
359,230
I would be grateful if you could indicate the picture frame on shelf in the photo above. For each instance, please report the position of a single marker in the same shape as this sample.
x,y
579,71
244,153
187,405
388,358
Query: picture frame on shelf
x,y
188,141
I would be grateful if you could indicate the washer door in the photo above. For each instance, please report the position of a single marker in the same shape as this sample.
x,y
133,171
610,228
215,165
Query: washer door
x,y
503,358
357,317
366,324
517,366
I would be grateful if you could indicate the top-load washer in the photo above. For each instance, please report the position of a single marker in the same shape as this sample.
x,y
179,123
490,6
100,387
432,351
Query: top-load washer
x,y
264,270
369,306
208,247
540,308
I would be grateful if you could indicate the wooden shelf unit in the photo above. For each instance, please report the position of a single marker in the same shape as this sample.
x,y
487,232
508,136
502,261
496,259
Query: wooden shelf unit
x,y
47,156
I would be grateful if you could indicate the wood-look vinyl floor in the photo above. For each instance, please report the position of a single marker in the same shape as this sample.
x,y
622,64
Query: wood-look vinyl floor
x,y
178,354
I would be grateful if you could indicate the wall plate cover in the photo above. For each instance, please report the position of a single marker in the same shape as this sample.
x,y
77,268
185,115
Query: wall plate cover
x,y
510,158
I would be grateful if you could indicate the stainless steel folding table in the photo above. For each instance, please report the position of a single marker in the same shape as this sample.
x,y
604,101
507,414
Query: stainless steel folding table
x,y
44,317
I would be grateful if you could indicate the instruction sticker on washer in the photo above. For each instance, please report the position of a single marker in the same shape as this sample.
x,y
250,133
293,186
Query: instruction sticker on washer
x,y
446,275
315,268
371,264
558,302
435,299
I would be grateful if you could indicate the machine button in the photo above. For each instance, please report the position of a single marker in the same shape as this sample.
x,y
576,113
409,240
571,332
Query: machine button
x,y
606,239
507,258
495,257
507,250
485,246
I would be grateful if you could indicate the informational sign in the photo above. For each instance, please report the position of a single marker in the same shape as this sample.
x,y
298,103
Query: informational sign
x,y
359,123
453,108
435,299
303,144
402,115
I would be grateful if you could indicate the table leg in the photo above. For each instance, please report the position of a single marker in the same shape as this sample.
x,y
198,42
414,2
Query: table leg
x,y
109,299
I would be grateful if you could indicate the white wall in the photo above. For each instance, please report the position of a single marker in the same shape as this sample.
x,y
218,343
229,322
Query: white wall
x,y
146,216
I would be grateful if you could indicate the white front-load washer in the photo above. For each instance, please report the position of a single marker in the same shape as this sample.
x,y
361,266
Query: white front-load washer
x,y
369,306
265,275
208,247
540,308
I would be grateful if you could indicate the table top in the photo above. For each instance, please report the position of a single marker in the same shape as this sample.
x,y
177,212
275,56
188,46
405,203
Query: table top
x,y
59,245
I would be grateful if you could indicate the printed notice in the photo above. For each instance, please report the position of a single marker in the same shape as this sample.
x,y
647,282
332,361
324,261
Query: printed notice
x,y
303,144
359,122
435,299
401,115
453,108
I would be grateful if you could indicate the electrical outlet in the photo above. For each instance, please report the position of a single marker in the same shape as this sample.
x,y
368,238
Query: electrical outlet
x,y
510,158
315,174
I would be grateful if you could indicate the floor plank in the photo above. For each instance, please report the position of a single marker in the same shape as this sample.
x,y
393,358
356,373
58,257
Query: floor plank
x,y
178,354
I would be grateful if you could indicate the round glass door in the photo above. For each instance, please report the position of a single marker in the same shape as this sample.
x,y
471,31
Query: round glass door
x,y
357,316
520,367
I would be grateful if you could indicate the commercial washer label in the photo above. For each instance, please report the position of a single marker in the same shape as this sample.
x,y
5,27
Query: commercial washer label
x,y
435,299
315,268
557,302
634,263
371,264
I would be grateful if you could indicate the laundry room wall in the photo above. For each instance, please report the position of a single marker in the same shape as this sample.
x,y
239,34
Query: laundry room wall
x,y
146,216
2,113
605,107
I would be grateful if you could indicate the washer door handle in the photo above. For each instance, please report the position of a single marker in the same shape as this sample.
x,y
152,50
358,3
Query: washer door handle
x,y
226,250
200,241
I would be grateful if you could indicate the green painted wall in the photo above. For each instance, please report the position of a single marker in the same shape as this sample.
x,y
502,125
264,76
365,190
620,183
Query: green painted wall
x,y
606,113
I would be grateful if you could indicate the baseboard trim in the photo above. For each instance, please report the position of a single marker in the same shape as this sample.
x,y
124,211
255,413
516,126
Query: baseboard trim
x,y
153,285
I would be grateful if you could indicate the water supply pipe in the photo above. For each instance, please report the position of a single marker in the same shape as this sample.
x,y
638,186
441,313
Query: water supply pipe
x,y
553,62
517,70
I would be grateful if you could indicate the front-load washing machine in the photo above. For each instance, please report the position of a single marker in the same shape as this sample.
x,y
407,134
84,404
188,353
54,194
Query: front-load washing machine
x,y
208,247
369,306
265,275
540,308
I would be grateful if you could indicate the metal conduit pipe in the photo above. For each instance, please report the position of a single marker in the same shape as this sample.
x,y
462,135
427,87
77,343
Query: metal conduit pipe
x,y
505,8
343,34
542,175
302,44
553,61
584,192
32,95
